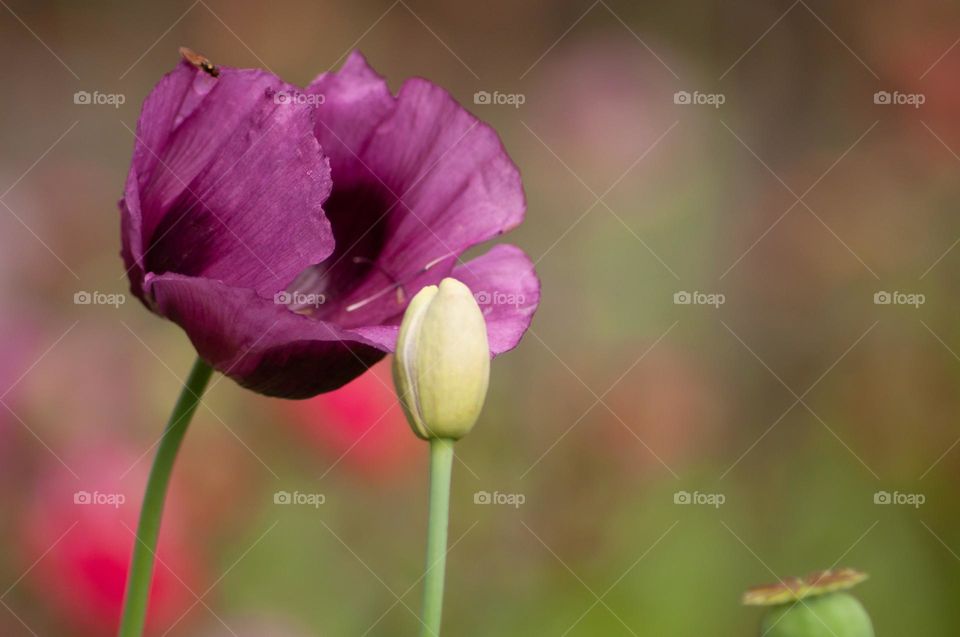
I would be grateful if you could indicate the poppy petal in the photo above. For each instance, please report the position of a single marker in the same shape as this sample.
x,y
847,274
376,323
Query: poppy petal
x,y
226,182
258,342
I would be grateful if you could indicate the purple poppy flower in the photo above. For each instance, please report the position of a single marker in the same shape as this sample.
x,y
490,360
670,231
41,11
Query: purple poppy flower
x,y
285,230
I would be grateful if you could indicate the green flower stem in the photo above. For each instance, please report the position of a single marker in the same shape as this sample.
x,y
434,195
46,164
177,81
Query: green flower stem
x,y
441,467
141,564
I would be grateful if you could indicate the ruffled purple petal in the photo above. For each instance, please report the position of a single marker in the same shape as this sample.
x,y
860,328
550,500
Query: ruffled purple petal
x,y
355,100
507,289
417,180
226,183
259,343
131,249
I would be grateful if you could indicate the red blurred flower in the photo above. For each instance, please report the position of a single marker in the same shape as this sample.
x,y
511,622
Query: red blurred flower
x,y
81,534
360,426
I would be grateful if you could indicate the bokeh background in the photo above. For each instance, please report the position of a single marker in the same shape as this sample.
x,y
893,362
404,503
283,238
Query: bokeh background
x,y
793,406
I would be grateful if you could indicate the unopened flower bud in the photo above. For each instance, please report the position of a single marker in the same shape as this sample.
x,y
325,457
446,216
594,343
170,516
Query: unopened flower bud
x,y
442,364
815,606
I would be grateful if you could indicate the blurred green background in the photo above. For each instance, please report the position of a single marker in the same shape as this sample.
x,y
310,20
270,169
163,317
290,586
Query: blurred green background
x,y
819,421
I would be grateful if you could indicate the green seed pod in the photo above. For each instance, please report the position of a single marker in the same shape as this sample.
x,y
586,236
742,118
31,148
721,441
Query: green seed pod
x,y
442,364
815,606
830,615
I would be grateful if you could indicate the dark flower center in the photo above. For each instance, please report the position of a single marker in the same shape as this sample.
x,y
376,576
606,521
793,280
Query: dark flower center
x,y
184,240
360,217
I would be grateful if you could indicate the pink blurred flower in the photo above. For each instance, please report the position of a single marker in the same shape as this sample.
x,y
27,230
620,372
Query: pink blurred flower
x,y
360,426
18,351
255,626
81,531
607,100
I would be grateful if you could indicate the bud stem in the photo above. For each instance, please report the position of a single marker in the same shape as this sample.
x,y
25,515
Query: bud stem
x,y
144,549
441,466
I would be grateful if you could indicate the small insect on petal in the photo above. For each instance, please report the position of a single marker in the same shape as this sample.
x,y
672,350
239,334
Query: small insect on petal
x,y
199,61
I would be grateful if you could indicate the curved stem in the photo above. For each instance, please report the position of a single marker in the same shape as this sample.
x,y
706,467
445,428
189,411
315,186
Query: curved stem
x,y
441,466
141,564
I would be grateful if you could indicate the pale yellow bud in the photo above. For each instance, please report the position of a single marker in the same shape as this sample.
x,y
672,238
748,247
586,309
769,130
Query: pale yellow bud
x,y
442,364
